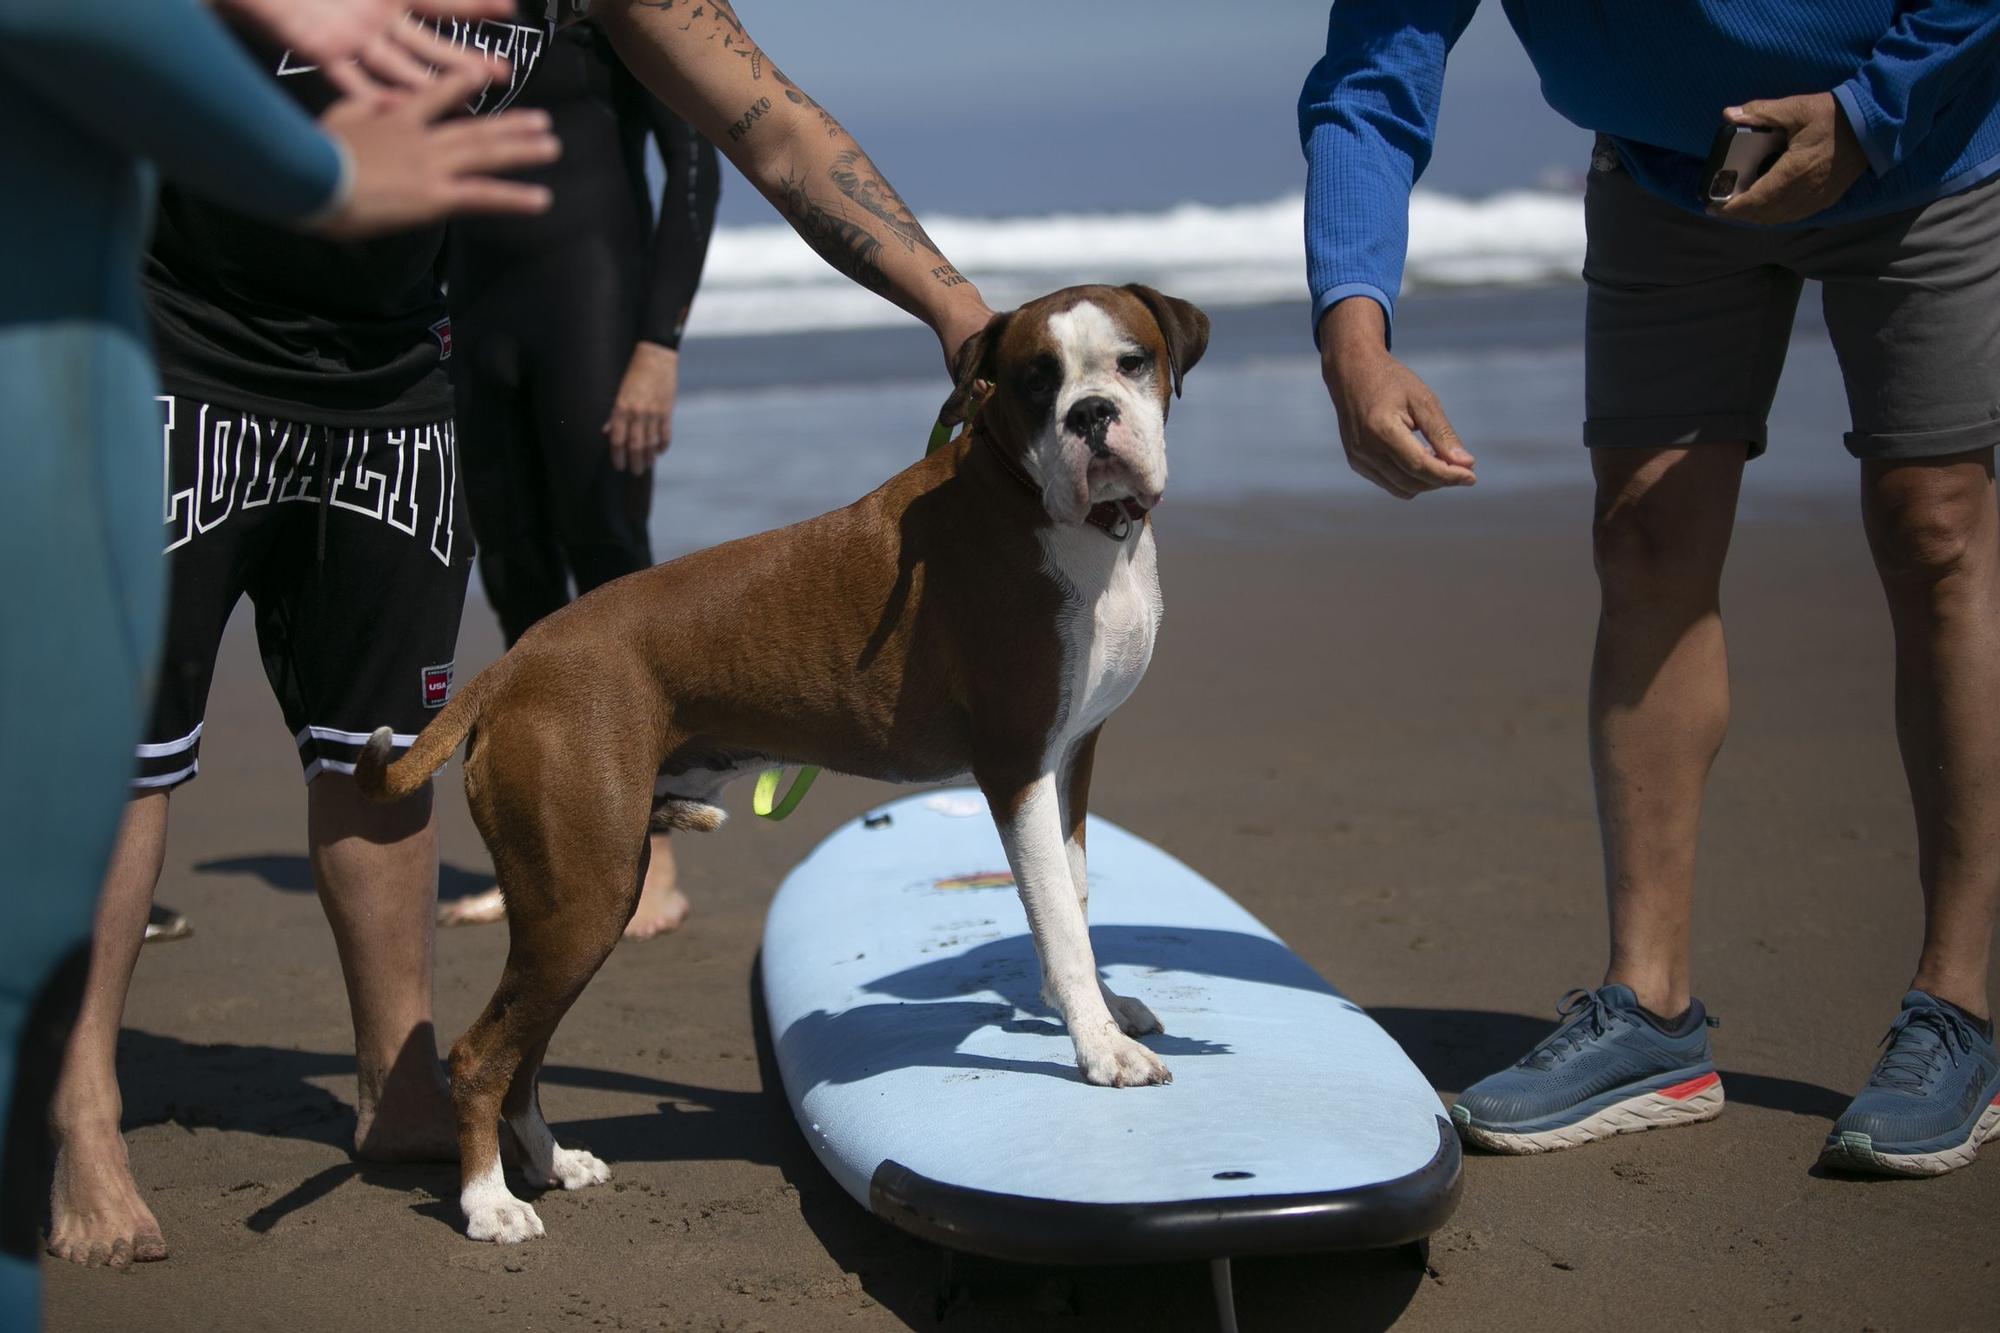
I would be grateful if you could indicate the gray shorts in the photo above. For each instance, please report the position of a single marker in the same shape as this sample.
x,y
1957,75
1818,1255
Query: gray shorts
x,y
1688,320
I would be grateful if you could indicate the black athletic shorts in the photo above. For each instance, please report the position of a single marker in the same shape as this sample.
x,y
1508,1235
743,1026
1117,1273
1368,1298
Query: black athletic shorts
x,y
354,548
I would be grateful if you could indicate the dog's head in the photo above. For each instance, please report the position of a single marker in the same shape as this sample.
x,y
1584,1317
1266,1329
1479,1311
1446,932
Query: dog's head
x,y
1079,386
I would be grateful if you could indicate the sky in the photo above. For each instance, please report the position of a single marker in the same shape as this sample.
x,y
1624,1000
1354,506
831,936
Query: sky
x,y
1036,106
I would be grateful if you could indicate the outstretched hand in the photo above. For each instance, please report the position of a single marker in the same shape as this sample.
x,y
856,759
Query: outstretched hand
x,y
363,44
411,167
1822,158
1392,426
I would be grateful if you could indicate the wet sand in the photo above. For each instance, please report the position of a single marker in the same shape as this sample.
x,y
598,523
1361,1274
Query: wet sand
x,y
1368,728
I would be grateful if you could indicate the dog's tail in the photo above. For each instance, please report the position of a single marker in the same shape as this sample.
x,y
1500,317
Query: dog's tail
x,y
380,780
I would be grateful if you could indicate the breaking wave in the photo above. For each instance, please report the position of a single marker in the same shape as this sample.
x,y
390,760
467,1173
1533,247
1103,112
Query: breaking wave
x,y
763,279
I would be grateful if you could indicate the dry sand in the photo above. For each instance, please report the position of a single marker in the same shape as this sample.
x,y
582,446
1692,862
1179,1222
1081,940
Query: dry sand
x,y
1370,730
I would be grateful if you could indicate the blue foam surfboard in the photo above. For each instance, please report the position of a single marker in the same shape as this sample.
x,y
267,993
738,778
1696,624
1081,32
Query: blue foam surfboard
x,y
903,996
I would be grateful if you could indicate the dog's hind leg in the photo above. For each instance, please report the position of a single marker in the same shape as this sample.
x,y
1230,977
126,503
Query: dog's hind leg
x,y
1133,1018
483,1064
568,907
545,1163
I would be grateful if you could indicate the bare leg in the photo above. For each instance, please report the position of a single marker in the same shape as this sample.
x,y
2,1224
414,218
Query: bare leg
x,y
376,870
95,1213
1659,695
662,905
477,909
1935,534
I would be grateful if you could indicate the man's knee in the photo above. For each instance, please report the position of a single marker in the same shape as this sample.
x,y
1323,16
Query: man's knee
x,y
1661,526
338,810
1650,555
1928,522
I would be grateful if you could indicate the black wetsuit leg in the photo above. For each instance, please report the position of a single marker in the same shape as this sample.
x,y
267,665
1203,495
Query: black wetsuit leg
x,y
500,459
574,366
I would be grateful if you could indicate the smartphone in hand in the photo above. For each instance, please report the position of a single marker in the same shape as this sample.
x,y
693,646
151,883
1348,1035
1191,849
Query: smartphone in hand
x,y
1738,157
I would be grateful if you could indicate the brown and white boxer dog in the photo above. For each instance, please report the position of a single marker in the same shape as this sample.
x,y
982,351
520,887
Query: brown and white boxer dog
x,y
983,612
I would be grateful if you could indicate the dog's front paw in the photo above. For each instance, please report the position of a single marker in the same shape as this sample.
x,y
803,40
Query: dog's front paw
x,y
575,1169
1116,1061
1133,1018
507,1222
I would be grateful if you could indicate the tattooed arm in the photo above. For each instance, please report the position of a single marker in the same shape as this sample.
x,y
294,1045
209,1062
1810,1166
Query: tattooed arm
x,y
696,57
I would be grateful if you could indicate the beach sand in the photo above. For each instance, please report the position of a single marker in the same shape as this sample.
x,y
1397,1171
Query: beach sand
x,y
1370,730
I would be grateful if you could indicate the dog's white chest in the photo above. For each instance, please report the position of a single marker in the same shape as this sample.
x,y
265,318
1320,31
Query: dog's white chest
x,y
1110,616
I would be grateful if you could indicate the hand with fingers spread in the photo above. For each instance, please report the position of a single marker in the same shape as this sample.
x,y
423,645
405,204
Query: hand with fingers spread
x,y
410,167
1822,158
1391,424
642,418
362,43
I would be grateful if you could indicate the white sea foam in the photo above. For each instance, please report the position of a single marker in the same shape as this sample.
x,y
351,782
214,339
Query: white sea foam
x,y
763,279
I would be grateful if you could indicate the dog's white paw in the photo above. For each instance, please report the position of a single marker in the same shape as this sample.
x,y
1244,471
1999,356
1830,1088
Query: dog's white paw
x,y
1133,1018
1116,1061
505,1222
575,1169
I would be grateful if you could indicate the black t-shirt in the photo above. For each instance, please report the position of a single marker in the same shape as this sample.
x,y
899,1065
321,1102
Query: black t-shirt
x,y
266,319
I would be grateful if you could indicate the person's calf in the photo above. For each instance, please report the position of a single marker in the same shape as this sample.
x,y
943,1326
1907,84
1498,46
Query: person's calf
x,y
376,870
1935,536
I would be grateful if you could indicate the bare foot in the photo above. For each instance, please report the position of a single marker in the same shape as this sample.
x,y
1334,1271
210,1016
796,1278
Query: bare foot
x,y
407,1116
96,1216
662,906
479,909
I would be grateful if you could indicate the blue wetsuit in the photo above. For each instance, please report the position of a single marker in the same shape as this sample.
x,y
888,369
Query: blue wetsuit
x,y
90,90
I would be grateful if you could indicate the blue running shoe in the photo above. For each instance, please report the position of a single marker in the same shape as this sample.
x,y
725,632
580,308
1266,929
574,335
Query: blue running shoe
x,y
1608,1069
1933,1099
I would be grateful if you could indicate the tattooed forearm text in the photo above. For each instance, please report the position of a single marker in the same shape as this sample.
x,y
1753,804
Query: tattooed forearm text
x,y
741,125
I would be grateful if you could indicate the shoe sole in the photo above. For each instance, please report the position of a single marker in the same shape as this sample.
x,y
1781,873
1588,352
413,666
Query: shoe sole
x,y
1857,1152
1687,1103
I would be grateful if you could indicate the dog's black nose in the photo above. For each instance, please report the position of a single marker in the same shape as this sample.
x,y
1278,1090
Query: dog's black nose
x,y
1091,417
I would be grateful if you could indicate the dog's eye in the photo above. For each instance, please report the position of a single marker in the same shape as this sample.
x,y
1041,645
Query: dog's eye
x,y
1039,379
1132,363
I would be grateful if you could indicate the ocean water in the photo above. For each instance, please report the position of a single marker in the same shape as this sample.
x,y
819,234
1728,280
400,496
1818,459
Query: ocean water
x,y
776,427
763,279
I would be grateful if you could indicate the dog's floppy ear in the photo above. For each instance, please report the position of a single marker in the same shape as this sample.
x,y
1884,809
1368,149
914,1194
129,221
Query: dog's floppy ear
x,y
1184,327
973,366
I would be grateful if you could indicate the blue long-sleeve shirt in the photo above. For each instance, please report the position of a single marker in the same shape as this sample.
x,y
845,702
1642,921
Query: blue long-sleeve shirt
x,y
1919,80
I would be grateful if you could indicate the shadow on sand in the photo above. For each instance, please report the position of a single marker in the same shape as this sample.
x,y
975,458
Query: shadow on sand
x,y
275,1092
292,873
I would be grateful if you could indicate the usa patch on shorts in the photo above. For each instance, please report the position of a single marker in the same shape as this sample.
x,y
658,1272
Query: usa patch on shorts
x,y
437,684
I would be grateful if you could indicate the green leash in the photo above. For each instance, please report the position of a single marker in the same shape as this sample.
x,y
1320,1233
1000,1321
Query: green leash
x,y
766,801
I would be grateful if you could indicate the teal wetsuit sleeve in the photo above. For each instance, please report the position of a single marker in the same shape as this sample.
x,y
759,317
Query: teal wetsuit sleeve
x,y
1913,73
164,80
1367,118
